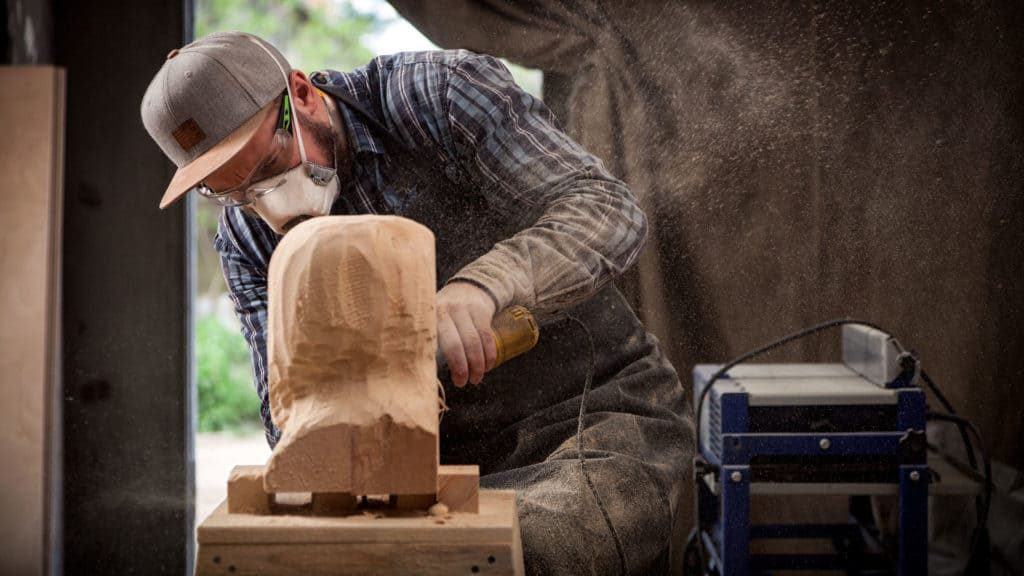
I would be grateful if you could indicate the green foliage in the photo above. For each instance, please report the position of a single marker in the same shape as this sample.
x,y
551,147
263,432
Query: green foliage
x,y
312,35
227,399
529,79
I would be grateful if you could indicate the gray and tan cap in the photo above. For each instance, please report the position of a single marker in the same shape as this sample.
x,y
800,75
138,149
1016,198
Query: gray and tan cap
x,y
203,105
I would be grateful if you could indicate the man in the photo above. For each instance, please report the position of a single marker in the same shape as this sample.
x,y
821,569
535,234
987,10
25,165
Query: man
x,y
591,427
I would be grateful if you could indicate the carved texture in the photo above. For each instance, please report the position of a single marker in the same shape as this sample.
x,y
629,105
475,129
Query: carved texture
x,y
352,340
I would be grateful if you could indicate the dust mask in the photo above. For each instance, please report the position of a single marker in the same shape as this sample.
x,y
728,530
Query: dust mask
x,y
304,192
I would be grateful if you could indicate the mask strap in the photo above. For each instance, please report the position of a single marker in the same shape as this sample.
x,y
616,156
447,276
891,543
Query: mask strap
x,y
330,119
288,88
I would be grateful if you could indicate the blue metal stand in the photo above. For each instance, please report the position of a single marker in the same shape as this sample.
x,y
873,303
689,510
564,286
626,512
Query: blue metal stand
x,y
735,509
913,514
735,454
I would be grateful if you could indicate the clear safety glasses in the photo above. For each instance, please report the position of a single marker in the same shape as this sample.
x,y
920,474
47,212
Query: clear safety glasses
x,y
259,182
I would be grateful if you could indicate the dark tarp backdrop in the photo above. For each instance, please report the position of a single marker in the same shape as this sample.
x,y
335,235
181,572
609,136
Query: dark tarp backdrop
x,y
801,161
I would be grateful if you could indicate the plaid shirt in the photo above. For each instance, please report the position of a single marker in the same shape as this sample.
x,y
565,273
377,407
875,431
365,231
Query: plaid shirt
x,y
575,226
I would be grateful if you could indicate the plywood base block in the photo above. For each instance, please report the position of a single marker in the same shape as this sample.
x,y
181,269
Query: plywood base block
x,y
384,542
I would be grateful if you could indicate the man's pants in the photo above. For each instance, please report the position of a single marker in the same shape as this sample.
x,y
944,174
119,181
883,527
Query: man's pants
x,y
608,506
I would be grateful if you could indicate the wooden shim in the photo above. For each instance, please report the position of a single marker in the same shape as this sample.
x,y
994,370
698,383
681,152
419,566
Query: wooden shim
x,y
245,491
458,488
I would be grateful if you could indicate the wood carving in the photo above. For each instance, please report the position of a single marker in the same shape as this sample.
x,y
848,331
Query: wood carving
x,y
352,370
354,485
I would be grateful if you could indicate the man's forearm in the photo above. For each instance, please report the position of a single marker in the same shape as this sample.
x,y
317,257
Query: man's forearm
x,y
587,236
588,227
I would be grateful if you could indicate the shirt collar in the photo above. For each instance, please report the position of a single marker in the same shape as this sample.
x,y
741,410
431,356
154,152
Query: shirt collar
x,y
361,138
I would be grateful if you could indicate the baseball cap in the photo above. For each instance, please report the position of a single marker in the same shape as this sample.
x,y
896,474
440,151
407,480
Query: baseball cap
x,y
205,103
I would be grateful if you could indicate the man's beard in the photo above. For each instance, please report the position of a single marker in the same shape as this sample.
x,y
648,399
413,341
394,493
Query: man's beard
x,y
325,139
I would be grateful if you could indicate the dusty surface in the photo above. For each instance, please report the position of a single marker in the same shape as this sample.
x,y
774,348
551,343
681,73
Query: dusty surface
x,y
351,347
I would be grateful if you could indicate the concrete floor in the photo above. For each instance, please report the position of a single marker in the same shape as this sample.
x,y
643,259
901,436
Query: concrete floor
x,y
216,454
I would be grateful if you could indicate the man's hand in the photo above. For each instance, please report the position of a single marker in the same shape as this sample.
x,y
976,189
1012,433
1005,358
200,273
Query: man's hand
x,y
464,315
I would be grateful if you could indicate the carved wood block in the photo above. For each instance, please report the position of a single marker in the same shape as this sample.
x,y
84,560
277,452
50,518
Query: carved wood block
x,y
351,347
458,488
245,491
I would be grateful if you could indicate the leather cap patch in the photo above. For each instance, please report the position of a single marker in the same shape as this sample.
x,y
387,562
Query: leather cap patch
x,y
188,134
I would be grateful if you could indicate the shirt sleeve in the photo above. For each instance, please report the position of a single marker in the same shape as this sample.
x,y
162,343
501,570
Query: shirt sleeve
x,y
589,228
247,288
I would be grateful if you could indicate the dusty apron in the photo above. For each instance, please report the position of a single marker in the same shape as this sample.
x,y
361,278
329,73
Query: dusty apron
x,y
598,482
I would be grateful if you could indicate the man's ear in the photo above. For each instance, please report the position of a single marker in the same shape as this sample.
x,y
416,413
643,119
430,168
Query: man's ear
x,y
304,97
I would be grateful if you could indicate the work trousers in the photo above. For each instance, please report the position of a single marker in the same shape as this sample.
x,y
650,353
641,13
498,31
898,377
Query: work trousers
x,y
597,494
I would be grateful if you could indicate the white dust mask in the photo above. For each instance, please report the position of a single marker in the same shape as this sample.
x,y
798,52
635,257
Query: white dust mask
x,y
304,192
297,196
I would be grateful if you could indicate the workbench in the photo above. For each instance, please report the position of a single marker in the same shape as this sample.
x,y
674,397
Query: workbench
x,y
373,538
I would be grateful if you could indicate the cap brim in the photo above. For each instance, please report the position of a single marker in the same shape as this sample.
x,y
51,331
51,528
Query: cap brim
x,y
197,170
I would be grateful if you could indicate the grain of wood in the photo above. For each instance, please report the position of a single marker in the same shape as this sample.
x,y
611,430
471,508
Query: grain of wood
x,y
493,523
245,491
358,559
458,488
398,543
351,346
31,191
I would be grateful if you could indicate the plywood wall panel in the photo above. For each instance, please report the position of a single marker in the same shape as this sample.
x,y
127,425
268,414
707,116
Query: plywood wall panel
x,y
31,169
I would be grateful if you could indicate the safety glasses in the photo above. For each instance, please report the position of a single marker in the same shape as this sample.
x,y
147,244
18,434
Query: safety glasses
x,y
246,192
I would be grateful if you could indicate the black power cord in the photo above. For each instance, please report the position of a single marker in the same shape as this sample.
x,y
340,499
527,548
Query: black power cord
x,y
768,348
978,563
581,450
962,427
980,537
